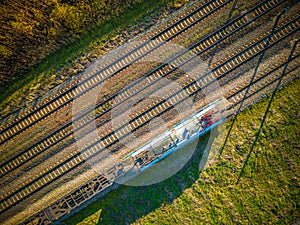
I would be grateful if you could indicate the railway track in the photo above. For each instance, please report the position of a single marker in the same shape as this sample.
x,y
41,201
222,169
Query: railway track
x,y
69,94
262,79
174,97
261,84
102,183
202,46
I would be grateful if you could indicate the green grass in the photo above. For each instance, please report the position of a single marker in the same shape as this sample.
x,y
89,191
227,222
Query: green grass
x,y
268,192
89,41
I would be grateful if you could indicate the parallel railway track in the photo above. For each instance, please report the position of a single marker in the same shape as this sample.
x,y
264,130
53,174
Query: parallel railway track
x,y
202,46
102,182
190,88
261,80
67,96
262,83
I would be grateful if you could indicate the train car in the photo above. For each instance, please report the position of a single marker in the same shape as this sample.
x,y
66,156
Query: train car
x,y
179,135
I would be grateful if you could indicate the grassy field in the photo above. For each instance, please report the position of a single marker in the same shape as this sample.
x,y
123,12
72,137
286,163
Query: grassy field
x,y
90,41
268,192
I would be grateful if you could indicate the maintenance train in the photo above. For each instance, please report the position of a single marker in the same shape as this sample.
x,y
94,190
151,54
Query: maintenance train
x,y
179,135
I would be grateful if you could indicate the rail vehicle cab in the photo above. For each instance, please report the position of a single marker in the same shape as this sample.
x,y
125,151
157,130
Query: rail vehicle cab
x,y
209,118
206,120
215,111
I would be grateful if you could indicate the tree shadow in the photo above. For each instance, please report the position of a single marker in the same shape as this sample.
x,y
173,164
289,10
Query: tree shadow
x,y
129,203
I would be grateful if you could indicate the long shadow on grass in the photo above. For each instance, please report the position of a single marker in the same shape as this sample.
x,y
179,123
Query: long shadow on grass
x,y
128,203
